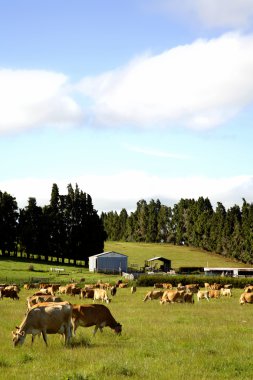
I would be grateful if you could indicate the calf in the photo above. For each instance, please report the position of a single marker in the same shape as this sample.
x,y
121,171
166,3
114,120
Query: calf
x,y
226,292
100,295
94,315
203,294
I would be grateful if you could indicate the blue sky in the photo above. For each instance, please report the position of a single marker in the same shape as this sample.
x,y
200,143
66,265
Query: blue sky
x,y
134,99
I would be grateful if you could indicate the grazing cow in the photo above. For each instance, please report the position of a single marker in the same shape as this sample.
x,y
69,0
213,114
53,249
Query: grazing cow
x,y
226,292
100,295
9,293
214,293
42,292
45,318
189,297
87,293
203,294
33,300
94,315
246,298
113,290
133,289
153,295
172,296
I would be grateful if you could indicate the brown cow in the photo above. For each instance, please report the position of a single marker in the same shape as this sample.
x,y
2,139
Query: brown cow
x,y
246,298
214,293
87,293
172,296
189,297
9,293
153,295
94,315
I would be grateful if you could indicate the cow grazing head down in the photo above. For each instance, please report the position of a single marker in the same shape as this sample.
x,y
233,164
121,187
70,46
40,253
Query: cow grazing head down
x,y
118,329
18,337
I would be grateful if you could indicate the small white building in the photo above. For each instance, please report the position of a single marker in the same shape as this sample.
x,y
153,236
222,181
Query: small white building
x,y
112,262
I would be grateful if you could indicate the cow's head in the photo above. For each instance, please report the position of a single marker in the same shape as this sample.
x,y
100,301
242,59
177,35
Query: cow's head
x,y
18,337
118,328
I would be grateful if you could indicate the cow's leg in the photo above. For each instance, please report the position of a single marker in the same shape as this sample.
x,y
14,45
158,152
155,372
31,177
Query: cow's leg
x,y
74,325
44,334
95,330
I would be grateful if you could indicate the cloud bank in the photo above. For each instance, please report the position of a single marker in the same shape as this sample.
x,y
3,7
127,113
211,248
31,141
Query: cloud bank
x,y
198,86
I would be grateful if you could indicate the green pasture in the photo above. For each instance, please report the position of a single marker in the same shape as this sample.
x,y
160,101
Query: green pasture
x,y
18,271
180,256
204,341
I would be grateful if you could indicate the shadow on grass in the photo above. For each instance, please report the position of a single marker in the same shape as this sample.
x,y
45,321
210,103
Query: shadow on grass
x,y
80,342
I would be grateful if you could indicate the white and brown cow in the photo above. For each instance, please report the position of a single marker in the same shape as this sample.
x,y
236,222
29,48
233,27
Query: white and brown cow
x,y
45,318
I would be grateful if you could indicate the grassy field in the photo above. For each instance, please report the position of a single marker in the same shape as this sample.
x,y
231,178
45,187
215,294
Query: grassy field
x,y
205,340
180,256
18,271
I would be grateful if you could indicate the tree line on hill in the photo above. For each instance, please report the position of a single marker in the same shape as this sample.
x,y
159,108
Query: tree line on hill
x,y
190,222
68,228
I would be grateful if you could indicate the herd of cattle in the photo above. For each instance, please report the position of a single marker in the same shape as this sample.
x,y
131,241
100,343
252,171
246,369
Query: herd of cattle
x,y
185,293
48,313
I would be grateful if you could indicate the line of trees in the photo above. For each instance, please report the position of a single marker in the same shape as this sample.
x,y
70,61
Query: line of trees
x,y
67,228
190,222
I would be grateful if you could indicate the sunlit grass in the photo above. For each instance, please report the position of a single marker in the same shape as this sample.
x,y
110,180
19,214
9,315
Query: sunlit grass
x,y
205,340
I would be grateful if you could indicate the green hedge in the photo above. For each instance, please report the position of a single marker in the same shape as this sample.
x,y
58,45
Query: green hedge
x,y
150,280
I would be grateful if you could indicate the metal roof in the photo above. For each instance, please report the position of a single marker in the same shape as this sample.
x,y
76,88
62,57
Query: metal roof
x,y
159,258
109,252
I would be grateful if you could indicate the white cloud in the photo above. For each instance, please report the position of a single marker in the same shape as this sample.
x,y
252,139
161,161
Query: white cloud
x,y
212,13
200,86
32,98
124,190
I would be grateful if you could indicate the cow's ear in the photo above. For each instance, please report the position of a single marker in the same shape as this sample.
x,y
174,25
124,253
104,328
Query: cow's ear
x,y
17,327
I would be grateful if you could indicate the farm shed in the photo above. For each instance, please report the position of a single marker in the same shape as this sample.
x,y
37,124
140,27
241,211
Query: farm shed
x,y
108,262
154,265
